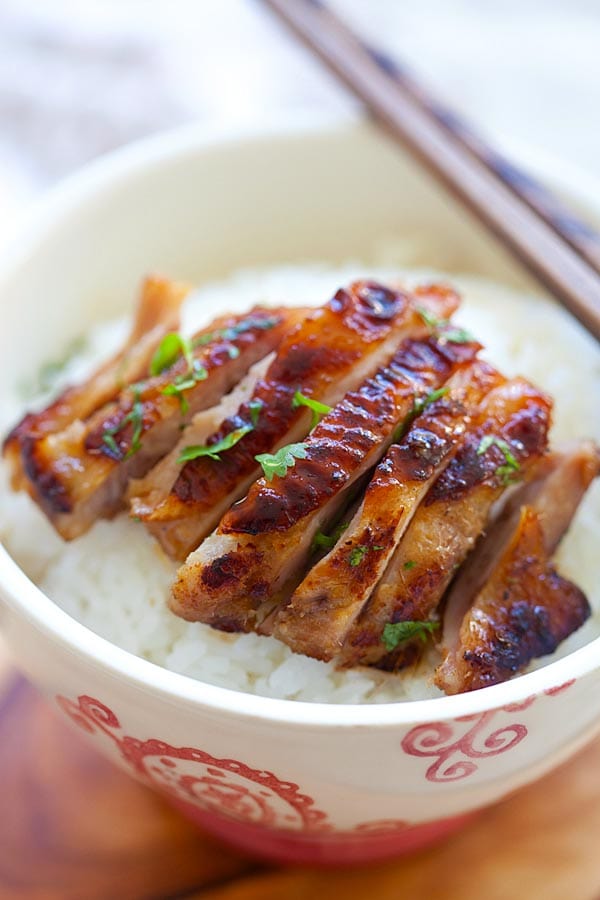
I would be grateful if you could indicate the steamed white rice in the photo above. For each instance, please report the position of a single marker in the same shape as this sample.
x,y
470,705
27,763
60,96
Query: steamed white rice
x,y
115,579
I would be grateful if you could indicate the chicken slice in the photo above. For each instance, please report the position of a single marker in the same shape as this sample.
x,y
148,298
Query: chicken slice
x,y
331,352
145,492
261,546
513,425
508,604
157,313
81,473
324,606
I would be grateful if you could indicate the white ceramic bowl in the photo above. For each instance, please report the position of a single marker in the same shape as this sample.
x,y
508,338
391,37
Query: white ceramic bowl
x,y
293,780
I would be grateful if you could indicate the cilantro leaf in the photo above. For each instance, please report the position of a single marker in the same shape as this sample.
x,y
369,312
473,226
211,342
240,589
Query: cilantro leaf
x,y
419,405
443,328
396,633
194,451
409,564
136,417
184,382
110,442
278,463
229,334
172,346
357,554
506,472
430,319
457,336
255,407
323,541
318,409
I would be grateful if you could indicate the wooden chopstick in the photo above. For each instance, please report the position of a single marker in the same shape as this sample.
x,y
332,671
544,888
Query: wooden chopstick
x,y
576,232
531,230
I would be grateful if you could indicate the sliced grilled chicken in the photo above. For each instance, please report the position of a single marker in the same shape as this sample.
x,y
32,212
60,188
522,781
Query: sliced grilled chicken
x,y
265,540
513,426
525,610
507,604
145,492
81,473
326,603
331,352
157,313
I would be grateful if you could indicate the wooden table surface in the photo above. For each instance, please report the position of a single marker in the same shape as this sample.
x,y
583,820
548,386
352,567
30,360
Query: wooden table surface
x,y
75,828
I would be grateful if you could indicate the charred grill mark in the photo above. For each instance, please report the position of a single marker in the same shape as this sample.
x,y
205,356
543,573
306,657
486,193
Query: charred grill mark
x,y
356,316
210,356
457,504
509,604
524,626
343,438
526,433
48,488
421,452
225,570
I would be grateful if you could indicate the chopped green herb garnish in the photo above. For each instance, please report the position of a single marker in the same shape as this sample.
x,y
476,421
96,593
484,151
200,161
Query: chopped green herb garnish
x,y
278,463
430,319
409,564
419,405
396,633
110,442
443,328
184,382
507,475
323,541
255,407
458,336
357,554
229,334
49,372
491,440
506,472
172,346
135,416
318,409
213,450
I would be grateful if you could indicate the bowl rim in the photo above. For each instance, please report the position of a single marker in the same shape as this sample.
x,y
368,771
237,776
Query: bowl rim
x,y
29,602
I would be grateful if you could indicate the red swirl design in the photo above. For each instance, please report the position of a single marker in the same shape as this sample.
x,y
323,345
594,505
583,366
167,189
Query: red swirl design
x,y
454,753
224,786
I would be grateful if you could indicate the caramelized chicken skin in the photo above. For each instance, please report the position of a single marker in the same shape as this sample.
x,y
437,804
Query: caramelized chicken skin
x,y
508,603
452,516
331,596
80,473
263,543
329,353
373,420
157,313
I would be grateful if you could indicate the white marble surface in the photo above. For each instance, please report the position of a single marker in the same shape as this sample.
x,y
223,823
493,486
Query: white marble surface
x,y
79,77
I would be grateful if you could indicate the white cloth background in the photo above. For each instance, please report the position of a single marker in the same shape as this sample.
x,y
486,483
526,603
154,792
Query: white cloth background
x,y
79,77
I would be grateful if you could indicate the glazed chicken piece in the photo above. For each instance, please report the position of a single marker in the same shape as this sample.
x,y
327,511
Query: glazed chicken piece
x,y
261,546
157,313
510,438
145,492
324,606
80,473
331,352
508,604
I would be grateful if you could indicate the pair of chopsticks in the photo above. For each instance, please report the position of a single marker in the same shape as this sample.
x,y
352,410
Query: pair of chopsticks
x,y
554,245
